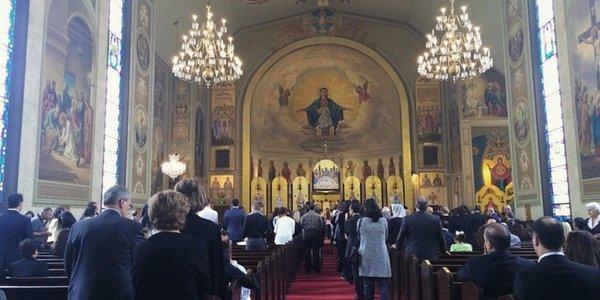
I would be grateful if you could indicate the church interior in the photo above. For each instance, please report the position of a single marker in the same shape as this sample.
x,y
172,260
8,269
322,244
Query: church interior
x,y
291,101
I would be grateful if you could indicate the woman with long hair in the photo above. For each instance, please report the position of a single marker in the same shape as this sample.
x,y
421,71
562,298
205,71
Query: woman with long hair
x,y
583,248
374,266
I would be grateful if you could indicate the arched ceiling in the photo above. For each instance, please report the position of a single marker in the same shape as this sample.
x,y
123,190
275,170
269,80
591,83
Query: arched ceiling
x,y
241,14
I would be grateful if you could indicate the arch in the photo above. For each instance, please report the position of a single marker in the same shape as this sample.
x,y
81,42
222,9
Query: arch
x,y
250,90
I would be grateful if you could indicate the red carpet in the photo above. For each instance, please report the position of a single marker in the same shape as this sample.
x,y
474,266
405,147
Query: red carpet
x,y
327,285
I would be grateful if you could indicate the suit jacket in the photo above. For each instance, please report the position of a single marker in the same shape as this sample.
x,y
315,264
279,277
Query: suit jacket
x,y
352,233
494,273
256,225
421,235
99,257
14,228
555,277
171,265
209,233
233,222
394,225
28,268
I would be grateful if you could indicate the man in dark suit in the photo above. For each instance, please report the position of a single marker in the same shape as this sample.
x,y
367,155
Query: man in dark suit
x,y
476,220
99,252
256,228
421,234
555,277
353,245
14,228
233,221
28,266
494,272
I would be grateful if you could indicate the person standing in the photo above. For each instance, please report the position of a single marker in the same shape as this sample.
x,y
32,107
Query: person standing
x,y
555,276
421,234
375,268
209,214
170,265
99,252
284,228
206,231
233,221
14,228
353,245
593,222
256,228
312,228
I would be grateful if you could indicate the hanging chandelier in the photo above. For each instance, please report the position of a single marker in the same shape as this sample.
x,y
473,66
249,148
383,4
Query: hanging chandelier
x,y
205,57
458,52
173,167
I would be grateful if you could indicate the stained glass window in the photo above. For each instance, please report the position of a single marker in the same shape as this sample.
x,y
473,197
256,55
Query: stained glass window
x,y
110,170
7,28
548,63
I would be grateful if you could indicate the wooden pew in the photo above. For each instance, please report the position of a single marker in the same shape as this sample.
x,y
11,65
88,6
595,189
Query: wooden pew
x,y
35,292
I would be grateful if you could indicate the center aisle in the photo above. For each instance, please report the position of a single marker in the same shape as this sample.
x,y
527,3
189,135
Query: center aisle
x,y
326,285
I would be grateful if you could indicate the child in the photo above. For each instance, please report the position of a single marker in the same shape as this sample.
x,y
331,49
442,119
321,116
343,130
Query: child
x,y
460,238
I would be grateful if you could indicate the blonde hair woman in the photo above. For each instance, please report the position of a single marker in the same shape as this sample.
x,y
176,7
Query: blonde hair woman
x,y
170,265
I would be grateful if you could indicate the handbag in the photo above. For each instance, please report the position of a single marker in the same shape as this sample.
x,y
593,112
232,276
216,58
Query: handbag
x,y
354,255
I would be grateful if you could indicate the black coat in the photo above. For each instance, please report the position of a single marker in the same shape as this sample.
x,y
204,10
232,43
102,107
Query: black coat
x,y
494,273
351,232
171,265
99,257
394,226
14,228
233,222
28,268
421,235
593,231
555,277
209,233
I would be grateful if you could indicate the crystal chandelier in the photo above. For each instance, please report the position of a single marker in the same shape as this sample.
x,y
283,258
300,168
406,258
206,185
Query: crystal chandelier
x,y
458,53
173,167
204,56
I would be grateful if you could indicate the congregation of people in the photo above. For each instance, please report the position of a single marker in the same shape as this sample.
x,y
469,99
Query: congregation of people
x,y
178,247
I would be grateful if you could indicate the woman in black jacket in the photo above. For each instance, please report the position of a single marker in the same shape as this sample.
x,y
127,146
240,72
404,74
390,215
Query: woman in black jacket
x,y
170,265
206,231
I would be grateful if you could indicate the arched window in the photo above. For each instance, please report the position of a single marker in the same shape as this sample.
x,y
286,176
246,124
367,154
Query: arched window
x,y
116,80
553,160
13,41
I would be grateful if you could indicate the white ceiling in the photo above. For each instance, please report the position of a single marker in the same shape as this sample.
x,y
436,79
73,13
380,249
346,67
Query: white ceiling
x,y
240,14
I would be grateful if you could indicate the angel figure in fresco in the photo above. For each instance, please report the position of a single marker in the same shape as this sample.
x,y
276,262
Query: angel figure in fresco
x,y
286,172
284,96
279,201
380,169
362,91
366,169
300,170
437,181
